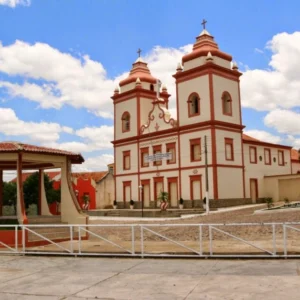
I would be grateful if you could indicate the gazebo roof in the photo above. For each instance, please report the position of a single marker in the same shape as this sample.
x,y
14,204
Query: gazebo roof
x,y
14,147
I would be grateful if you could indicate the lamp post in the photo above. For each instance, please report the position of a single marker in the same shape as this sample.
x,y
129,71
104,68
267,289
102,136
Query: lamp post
x,y
142,199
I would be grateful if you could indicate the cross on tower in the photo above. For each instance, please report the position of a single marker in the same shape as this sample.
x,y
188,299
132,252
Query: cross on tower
x,y
203,23
139,52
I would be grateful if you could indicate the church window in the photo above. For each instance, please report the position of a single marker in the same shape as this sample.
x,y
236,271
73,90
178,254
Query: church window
x,y
195,149
267,154
151,87
253,155
144,154
157,150
194,105
227,104
171,149
280,158
229,155
125,122
126,160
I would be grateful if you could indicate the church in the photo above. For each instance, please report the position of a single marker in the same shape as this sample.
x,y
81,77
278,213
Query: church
x,y
203,149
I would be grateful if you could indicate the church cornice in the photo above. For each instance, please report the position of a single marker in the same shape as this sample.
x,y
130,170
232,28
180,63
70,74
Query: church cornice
x,y
138,92
183,129
208,68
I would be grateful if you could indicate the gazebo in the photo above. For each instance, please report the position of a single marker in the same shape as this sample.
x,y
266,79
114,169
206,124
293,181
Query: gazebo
x,y
19,156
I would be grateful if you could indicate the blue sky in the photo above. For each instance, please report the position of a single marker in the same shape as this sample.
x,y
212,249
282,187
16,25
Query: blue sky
x,y
45,101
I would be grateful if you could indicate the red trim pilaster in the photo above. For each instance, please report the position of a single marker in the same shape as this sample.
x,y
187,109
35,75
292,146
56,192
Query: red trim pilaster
x,y
20,186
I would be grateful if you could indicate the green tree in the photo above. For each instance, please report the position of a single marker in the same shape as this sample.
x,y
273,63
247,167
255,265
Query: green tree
x,y
31,190
10,194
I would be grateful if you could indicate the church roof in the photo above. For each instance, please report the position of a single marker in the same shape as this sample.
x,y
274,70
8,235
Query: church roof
x,y
13,147
205,43
139,70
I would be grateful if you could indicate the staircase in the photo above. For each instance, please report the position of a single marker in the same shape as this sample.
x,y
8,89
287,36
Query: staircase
x,y
48,231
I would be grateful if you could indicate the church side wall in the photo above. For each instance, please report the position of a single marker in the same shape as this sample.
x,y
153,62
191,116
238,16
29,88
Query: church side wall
x,y
230,183
295,167
260,169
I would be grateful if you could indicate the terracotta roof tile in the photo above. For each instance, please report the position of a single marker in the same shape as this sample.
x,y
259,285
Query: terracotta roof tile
x,y
294,154
249,138
90,175
17,146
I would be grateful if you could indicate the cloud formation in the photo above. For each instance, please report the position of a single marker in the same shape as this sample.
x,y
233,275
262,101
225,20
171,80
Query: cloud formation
x,y
14,3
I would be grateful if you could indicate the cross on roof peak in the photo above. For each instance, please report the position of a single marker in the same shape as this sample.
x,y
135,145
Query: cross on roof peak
x,y
139,52
204,23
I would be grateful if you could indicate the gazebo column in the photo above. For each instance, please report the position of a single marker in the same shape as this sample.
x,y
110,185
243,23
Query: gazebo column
x,y
1,192
43,208
21,213
71,212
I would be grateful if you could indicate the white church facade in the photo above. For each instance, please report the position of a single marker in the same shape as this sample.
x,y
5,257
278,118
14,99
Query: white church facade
x,y
208,108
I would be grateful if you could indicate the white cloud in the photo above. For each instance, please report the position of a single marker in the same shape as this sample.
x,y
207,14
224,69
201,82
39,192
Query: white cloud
x,y
97,163
278,87
14,3
162,63
284,121
257,50
264,136
40,132
93,139
79,82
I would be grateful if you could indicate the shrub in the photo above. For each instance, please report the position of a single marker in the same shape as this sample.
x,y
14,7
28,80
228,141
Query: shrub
x,y
115,202
286,200
181,201
131,202
269,201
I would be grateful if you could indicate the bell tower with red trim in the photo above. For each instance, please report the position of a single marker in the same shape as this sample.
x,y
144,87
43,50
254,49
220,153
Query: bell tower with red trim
x,y
208,94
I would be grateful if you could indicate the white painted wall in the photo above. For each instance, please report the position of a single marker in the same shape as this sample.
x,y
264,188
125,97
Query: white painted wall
x,y
260,170
198,85
131,107
220,85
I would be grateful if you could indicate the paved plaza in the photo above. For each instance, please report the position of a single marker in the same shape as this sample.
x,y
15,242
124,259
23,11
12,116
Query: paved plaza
x,y
69,278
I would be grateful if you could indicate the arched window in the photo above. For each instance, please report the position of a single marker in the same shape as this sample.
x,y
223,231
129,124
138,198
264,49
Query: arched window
x,y
126,122
151,87
194,105
227,104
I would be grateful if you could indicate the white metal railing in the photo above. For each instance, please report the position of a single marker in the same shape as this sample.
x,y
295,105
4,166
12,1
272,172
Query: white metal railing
x,y
273,240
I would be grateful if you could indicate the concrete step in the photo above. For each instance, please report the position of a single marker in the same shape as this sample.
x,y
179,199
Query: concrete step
x,y
44,219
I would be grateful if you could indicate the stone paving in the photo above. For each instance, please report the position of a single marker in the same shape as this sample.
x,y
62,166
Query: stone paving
x,y
69,278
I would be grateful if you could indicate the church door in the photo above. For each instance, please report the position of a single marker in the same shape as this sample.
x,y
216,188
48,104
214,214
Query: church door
x,y
158,187
253,190
173,194
146,193
126,192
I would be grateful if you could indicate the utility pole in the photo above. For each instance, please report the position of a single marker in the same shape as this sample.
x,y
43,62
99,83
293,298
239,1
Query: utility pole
x,y
206,175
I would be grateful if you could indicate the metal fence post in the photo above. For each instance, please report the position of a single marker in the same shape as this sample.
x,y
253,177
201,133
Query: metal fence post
x,y
71,238
142,242
284,240
23,239
16,238
132,240
274,238
210,240
79,239
200,239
